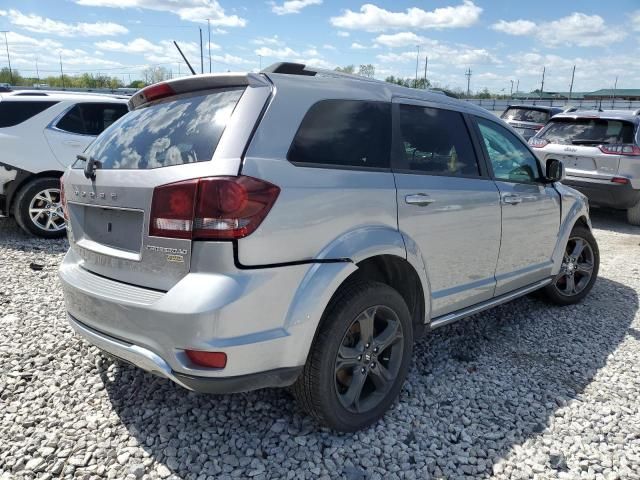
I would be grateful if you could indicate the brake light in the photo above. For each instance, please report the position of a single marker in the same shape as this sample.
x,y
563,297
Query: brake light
x,y
157,91
215,208
207,359
620,149
63,201
538,142
620,180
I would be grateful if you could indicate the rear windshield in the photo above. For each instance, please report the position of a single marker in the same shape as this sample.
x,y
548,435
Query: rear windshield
x,y
13,113
525,115
586,131
184,130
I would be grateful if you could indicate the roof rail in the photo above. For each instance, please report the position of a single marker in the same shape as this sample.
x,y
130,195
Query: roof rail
x,y
570,109
31,94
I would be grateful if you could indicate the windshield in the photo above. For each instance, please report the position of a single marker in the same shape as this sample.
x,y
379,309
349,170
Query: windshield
x,y
184,130
596,131
525,115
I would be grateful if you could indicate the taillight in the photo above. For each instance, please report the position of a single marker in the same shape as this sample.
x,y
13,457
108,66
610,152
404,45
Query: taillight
x,y
538,142
215,208
157,91
207,359
620,149
63,201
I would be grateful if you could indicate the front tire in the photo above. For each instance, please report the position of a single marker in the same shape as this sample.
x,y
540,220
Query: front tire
x,y
359,359
38,208
579,269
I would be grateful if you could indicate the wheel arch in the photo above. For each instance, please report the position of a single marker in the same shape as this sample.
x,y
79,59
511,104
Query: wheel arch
x,y
575,211
22,179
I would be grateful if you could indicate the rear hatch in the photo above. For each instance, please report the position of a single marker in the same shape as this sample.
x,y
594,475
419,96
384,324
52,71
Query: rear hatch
x,y
586,145
190,128
526,121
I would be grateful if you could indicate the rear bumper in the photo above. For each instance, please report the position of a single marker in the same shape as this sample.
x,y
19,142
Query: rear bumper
x,y
149,361
605,193
241,313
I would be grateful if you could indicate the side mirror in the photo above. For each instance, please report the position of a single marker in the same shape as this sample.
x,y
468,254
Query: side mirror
x,y
555,170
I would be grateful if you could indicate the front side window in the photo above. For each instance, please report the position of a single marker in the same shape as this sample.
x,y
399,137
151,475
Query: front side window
x,y
435,142
13,113
91,118
351,133
175,132
510,159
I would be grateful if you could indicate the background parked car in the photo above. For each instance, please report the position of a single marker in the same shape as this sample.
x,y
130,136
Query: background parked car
x,y
40,135
601,153
528,119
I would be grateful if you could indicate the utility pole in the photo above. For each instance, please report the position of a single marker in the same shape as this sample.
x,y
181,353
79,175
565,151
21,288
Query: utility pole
x,y
201,53
37,72
573,74
468,74
615,87
6,44
426,62
417,61
542,84
517,86
511,93
61,74
209,45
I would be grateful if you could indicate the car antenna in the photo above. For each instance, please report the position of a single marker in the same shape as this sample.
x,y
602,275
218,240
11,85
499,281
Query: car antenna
x,y
193,72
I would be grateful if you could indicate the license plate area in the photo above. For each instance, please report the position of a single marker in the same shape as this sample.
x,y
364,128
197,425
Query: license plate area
x,y
105,229
579,163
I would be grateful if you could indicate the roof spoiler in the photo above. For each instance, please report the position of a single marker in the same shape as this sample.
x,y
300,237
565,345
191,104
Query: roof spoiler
x,y
289,68
570,109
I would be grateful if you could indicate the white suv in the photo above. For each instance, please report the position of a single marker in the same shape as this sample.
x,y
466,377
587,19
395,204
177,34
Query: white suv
x,y
40,135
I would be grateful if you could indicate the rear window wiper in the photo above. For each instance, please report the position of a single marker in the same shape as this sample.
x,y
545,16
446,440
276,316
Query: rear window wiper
x,y
588,142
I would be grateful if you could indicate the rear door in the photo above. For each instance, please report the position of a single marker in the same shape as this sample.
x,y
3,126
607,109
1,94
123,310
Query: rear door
x,y
447,204
530,208
185,136
71,132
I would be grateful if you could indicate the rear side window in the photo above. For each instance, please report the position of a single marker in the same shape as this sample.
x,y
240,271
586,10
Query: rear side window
x,y
91,118
344,133
14,113
184,130
435,142
525,115
588,131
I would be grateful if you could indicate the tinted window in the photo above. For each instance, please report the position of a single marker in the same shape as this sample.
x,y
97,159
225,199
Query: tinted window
x,y
525,115
14,113
346,133
181,131
91,118
510,159
435,141
568,131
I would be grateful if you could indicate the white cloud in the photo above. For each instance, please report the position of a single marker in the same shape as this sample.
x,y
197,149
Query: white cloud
x,y
635,20
316,62
38,24
191,10
401,39
285,52
343,34
358,46
229,59
139,45
267,41
577,29
375,19
328,46
456,55
516,27
293,6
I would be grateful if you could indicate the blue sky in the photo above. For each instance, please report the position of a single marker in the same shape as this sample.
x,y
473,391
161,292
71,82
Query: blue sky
x,y
499,40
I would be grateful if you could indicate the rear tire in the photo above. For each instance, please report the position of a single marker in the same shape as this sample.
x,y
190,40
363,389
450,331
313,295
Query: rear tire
x,y
633,214
37,208
579,269
359,359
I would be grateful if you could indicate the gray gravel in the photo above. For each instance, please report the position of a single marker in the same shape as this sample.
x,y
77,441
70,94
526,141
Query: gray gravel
x,y
523,391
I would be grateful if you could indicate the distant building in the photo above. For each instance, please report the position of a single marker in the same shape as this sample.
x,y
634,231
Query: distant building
x,y
619,93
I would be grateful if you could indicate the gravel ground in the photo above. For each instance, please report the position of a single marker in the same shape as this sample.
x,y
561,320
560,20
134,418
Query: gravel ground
x,y
522,391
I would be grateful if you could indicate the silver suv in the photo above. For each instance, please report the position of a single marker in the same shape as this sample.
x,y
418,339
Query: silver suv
x,y
601,152
303,228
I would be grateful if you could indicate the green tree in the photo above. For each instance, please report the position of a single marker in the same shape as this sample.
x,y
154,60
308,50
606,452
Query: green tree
x,y
137,84
484,93
348,69
368,71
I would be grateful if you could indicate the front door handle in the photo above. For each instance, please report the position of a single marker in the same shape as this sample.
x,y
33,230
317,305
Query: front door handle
x,y
419,199
511,199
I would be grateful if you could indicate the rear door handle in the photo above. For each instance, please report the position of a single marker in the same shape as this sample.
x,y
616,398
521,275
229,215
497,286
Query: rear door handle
x,y
419,199
511,199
